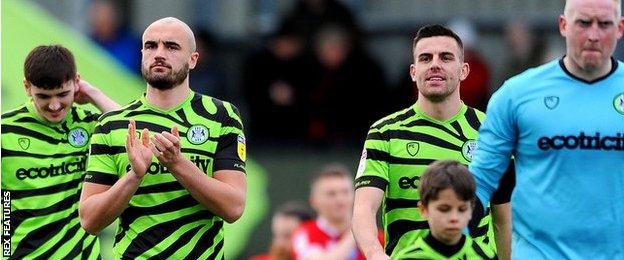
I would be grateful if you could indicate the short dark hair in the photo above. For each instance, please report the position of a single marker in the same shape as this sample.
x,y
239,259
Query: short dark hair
x,y
49,66
445,174
332,170
295,209
437,30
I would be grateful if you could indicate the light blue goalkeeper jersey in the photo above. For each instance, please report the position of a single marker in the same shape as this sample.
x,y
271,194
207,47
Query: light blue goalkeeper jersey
x,y
567,136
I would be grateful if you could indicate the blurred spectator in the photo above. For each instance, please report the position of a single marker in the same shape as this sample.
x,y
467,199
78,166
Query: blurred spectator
x,y
329,235
110,33
525,49
344,101
275,82
284,222
475,89
207,77
309,16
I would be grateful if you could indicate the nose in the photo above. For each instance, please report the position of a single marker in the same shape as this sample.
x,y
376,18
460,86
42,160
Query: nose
x,y
55,104
593,33
435,63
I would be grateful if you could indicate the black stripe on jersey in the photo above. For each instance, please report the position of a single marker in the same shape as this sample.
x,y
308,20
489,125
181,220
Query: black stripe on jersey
x,y
132,212
459,130
11,153
180,113
371,181
216,251
74,114
480,252
20,215
37,237
479,231
398,228
15,112
18,194
198,107
209,235
134,105
30,133
418,249
90,117
42,125
101,178
473,120
68,234
423,122
87,251
157,233
413,136
392,204
99,149
156,114
378,155
161,187
405,115
180,242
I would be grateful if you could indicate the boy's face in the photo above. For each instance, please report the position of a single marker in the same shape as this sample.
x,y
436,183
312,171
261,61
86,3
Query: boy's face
x,y
52,104
447,216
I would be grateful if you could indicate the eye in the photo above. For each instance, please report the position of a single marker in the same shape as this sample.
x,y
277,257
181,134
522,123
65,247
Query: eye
x,y
605,24
62,94
424,58
584,23
444,208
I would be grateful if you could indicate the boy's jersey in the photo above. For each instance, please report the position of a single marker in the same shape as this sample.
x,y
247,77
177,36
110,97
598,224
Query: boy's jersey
x,y
567,138
162,219
430,248
397,151
43,166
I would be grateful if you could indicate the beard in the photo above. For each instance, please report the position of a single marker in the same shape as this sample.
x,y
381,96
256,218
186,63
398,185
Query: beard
x,y
168,81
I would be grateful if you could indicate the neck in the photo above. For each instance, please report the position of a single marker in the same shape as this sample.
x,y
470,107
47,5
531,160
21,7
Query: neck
x,y
168,98
337,224
442,110
588,75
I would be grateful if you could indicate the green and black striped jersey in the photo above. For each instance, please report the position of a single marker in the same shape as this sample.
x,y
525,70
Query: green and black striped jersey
x,y
162,220
398,149
430,248
43,166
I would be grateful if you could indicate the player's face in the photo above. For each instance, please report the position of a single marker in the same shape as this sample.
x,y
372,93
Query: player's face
x,y
52,104
447,216
167,57
332,198
438,68
283,228
591,29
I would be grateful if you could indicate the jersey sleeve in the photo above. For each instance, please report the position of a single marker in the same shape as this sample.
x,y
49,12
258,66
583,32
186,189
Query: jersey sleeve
x,y
231,150
506,185
101,164
373,168
497,137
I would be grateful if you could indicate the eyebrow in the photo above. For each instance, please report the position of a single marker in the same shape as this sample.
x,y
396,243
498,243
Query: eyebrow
x,y
46,95
168,43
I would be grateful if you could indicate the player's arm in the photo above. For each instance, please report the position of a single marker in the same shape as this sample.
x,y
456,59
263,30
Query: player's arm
x,y
501,220
224,194
367,203
101,204
87,93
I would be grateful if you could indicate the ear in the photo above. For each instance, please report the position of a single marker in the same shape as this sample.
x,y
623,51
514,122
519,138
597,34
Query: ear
x,y
423,210
620,28
563,24
76,82
465,70
194,59
27,88
412,72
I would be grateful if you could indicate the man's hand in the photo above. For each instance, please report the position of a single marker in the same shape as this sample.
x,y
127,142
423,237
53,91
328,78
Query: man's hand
x,y
139,152
166,147
84,93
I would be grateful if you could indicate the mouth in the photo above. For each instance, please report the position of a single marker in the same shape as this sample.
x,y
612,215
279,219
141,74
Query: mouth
x,y
160,65
57,113
435,79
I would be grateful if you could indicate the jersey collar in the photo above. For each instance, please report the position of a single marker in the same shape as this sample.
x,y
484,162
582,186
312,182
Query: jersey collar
x,y
462,110
186,101
614,66
444,249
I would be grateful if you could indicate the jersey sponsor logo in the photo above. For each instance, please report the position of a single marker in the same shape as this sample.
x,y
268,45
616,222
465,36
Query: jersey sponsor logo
x,y
618,103
52,171
583,142
468,149
551,102
406,182
24,142
157,168
412,148
197,134
241,147
78,137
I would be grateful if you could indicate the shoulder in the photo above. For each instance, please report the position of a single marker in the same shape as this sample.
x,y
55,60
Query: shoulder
x,y
208,107
14,114
482,250
530,78
119,113
395,118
